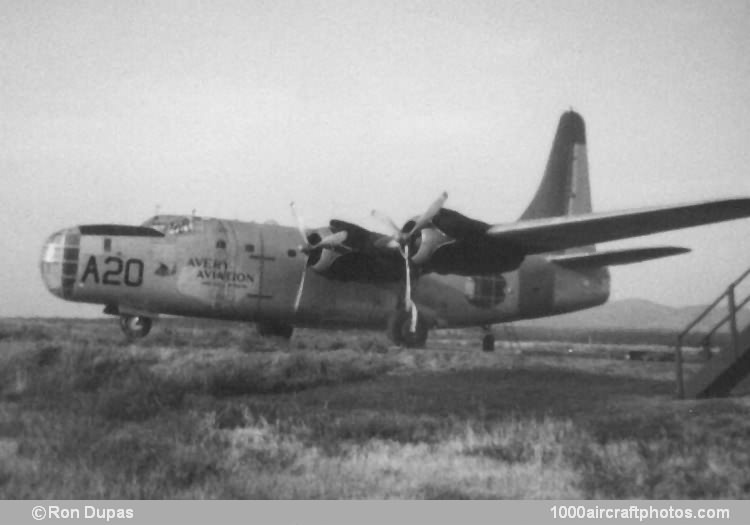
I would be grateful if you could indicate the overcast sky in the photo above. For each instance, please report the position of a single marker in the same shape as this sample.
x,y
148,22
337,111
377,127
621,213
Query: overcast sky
x,y
110,109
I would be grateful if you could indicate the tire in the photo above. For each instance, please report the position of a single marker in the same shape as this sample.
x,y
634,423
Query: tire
x,y
401,329
135,326
274,329
488,343
394,328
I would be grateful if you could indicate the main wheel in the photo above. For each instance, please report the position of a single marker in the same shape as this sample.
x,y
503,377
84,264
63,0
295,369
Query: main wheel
x,y
135,326
488,343
394,328
400,332
274,329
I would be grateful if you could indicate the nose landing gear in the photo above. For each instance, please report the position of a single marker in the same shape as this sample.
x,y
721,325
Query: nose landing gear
x,y
274,329
135,326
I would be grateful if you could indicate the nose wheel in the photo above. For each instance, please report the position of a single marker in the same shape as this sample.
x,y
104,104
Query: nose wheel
x,y
135,326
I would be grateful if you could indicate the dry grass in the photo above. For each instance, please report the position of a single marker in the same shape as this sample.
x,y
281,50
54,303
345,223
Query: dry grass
x,y
212,411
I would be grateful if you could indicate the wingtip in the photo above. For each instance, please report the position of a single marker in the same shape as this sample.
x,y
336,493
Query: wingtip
x,y
736,207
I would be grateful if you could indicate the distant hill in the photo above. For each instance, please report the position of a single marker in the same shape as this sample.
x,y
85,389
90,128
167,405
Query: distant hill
x,y
633,314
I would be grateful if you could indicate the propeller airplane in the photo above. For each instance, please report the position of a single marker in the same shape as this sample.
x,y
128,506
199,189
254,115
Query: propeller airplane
x,y
441,269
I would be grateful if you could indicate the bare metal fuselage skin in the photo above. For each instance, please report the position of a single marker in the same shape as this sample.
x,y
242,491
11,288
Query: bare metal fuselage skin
x,y
545,263
251,272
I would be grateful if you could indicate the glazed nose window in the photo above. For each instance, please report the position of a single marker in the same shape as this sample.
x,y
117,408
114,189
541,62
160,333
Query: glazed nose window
x,y
51,263
59,262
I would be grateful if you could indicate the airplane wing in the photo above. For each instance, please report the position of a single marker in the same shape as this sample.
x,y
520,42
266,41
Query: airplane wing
x,y
451,243
364,258
558,233
616,257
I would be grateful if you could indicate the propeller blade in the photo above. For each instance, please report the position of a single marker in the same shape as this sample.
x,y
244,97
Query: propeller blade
x,y
407,298
299,290
299,222
332,241
409,304
427,216
387,221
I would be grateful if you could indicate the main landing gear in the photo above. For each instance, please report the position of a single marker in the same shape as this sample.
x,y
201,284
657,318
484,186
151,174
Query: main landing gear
x,y
488,340
400,332
274,329
135,326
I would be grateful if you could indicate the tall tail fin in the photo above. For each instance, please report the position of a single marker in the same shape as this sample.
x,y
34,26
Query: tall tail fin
x,y
564,189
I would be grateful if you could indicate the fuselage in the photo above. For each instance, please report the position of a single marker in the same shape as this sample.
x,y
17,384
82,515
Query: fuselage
x,y
247,271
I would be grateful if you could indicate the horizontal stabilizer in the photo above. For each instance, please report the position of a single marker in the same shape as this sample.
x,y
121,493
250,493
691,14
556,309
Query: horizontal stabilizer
x,y
615,257
559,233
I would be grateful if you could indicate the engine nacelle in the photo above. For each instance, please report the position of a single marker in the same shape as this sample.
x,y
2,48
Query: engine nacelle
x,y
320,259
429,240
322,262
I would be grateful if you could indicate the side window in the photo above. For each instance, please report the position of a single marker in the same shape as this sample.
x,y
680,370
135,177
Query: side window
x,y
221,245
486,291
107,244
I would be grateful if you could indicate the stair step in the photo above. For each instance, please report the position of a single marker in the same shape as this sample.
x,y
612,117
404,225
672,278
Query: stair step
x,y
723,372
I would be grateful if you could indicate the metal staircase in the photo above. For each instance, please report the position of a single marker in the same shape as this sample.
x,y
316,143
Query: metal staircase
x,y
726,368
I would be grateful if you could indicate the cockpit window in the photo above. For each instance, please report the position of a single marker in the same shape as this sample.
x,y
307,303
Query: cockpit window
x,y
183,226
172,224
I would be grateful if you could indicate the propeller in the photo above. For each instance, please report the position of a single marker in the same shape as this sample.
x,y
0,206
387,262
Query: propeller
x,y
428,215
400,240
386,220
329,242
402,237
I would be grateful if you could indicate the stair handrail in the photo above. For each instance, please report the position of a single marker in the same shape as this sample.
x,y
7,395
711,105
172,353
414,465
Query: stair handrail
x,y
713,305
707,337
731,317
701,316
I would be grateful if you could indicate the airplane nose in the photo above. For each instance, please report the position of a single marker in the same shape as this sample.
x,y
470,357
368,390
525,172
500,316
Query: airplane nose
x,y
59,262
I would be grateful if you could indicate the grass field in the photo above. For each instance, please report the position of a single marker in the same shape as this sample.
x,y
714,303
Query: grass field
x,y
209,410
